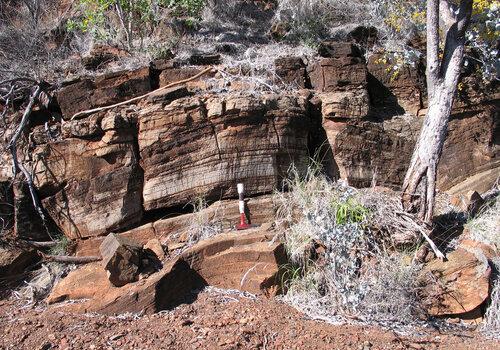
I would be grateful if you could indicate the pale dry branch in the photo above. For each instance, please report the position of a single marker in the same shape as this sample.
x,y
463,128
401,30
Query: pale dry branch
x,y
70,259
105,108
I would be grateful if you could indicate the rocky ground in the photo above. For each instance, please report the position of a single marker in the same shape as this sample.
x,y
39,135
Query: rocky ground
x,y
216,319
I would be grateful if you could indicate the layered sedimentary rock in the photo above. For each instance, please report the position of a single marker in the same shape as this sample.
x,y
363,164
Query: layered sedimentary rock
x,y
395,91
174,231
380,152
86,93
472,145
196,147
369,153
340,77
90,176
291,71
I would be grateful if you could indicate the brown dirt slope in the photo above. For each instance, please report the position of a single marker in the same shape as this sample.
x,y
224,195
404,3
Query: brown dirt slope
x,y
214,320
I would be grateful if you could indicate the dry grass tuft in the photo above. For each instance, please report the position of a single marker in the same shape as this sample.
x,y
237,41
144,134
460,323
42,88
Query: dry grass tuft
x,y
40,282
204,224
491,322
485,227
343,265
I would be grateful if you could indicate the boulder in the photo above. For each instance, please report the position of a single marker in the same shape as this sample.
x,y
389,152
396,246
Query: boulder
x,y
458,285
246,261
86,93
87,282
122,259
13,260
196,147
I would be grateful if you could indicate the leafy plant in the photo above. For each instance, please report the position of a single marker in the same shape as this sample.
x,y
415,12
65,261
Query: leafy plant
x,y
61,246
185,7
349,211
104,19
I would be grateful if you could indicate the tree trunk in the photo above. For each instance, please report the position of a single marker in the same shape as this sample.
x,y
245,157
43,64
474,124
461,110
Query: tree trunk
x,y
423,166
419,186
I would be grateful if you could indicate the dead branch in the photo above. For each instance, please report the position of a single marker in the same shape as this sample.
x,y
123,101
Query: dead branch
x,y
40,244
105,108
70,259
10,81
25,118
12,146
410,219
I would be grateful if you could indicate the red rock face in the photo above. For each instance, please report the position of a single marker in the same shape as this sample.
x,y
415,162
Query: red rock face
x,y
380,152
90,178
368,153
402,90
471,145
199,147
111,88
101,173
292,71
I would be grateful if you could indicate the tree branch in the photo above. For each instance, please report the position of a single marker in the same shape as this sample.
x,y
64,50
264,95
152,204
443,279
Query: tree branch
x,y
12,146
25,117
99,109
447,11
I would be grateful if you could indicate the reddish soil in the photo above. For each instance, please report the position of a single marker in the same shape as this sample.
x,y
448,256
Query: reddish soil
x,y
213,321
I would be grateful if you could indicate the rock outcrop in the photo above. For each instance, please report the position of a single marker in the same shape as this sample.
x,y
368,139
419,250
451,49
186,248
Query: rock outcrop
x,y
395,91
197,147
172,232
86,93
90,177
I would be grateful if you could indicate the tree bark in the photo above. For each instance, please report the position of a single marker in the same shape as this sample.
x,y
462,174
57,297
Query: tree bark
x,y
419,186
